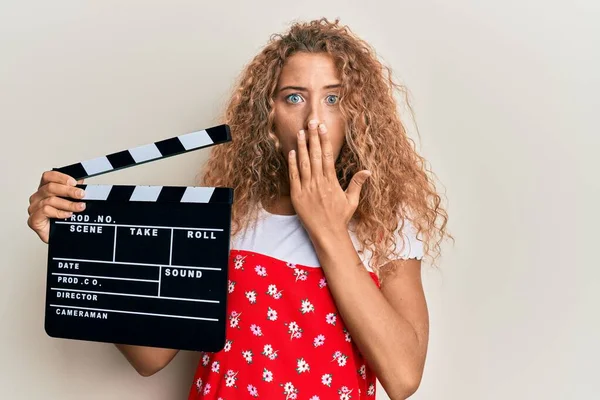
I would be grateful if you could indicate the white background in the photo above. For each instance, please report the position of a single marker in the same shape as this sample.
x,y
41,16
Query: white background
x,y
506,102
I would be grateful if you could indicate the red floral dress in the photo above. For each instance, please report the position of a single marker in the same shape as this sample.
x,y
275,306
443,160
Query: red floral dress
x,y
285,338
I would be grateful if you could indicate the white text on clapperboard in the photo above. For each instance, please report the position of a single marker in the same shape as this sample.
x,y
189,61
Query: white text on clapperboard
x,y
70,278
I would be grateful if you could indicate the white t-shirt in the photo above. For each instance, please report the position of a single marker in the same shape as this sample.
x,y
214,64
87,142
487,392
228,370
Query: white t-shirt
x,y
283,237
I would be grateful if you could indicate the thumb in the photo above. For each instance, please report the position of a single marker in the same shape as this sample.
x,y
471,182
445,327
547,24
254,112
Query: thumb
x,y
355,186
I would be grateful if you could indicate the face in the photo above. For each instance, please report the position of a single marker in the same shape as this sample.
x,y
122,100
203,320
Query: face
x,y
308,88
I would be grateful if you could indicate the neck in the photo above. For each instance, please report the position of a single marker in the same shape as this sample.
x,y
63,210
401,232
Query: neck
x,y
281,206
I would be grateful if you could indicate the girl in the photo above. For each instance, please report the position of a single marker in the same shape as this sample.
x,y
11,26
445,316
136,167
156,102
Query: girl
x,y
332,216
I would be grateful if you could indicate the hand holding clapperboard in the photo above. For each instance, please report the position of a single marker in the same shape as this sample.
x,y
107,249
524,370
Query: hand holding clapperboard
x,y
142,265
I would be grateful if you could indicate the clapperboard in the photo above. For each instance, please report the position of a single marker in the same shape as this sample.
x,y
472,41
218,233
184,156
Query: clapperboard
x,y
142,265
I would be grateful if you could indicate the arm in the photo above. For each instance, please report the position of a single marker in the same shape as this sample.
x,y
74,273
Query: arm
x,y
147,360
389,326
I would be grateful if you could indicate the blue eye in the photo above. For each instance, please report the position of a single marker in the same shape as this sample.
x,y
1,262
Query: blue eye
x,y
294,96
332,96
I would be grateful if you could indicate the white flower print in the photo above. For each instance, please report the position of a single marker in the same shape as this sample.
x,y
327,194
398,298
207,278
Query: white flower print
x,y
326,379
239,262
251,296
206,389
301,275
307,307
231,378
227,346
273,292
302,366
290,265
231,286
215,366
247,356
253,391
261,271
199,385
340,358
294,330
330,318
322,283
289,390
256,330
347,336
319,340
267,350
234,319
362,371
344,393
230,381
272,314
315,397
205,360
371,390
267,375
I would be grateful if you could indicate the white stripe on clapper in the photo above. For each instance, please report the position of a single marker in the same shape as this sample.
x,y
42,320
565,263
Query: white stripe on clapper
x,y
145,153
195,139
97,165
145,193
197,194
97,192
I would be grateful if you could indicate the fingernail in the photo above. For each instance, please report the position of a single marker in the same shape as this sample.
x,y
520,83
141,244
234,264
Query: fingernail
x,y
80,193
81,206
312,124
72,182
322,128
301,133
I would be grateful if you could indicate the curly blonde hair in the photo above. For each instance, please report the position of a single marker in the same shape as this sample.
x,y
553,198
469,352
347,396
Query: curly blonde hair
x,y
253,165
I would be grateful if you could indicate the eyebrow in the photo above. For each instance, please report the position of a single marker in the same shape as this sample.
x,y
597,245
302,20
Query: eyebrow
x,y
303,89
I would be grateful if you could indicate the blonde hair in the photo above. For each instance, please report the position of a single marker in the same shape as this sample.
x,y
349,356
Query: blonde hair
x,y
376,139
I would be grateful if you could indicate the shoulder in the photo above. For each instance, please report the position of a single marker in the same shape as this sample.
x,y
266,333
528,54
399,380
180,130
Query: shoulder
x,y
407,244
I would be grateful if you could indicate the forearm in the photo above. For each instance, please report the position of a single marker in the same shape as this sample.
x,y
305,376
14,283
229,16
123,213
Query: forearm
x,y
147,360
386,339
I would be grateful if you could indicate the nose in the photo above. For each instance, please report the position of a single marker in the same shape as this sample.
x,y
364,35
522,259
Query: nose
x,y
314,112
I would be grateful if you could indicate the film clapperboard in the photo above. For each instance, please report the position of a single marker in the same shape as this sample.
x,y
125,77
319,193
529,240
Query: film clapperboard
x,y
142,265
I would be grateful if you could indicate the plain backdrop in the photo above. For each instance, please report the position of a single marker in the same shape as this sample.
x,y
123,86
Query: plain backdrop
x,y
505,95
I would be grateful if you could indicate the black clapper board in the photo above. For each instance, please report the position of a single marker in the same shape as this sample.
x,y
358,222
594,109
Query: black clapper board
x,y
142,265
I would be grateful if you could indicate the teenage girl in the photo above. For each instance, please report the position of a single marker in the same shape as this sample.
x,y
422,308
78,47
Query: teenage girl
x,y
333,213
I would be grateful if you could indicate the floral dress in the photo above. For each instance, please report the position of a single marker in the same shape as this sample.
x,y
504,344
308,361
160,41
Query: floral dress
x,y
284,338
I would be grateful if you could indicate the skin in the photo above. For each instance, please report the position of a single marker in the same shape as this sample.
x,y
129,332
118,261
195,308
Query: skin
x,y
389,325
308,89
